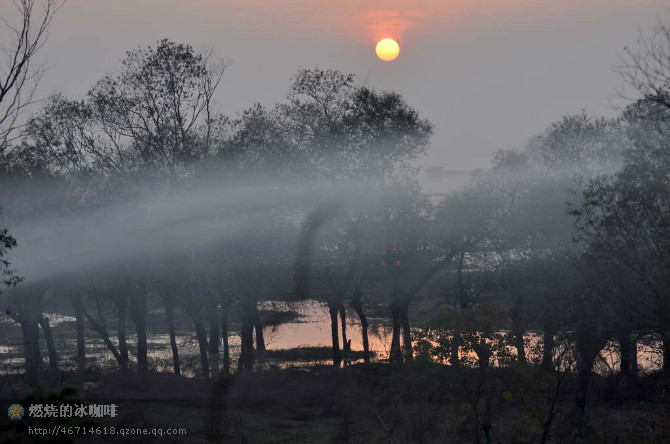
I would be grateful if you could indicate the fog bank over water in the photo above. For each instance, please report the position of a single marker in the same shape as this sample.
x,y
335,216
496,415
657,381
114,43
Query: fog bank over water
x,y
158,224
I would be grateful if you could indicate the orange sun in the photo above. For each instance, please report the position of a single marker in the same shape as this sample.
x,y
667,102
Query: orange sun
x,y
387,49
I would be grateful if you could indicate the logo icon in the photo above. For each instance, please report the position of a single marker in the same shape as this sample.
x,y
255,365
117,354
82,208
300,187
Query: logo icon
x,y
15,412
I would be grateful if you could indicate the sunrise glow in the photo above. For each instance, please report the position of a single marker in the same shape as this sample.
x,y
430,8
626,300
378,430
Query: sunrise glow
x,y
387,49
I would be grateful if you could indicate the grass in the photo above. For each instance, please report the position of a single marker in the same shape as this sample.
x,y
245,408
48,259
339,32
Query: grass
x,y
376,403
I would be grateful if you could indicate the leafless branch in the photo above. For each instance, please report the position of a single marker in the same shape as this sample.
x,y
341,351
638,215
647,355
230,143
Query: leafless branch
x,y
646,67
20,72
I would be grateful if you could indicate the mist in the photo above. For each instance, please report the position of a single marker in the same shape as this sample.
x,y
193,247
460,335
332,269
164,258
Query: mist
x,y
157,224
285,272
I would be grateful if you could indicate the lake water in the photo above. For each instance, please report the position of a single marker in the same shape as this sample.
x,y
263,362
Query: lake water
x,y
310,329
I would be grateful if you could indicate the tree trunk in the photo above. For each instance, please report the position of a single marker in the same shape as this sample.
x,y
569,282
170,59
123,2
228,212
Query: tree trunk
x,y
246,361
201,334
79,328
31,349
584,367
224,335
51,346
121,303
260,339
102,331
28,313
169,314
213,344
346,344
249,314
396,321
518,331
456,342
213,321
628,350
121,334
142,349
463,302
483,351
337,358
548,349
587,346
666,356
633,357
406,334
138,312
242,359
357,305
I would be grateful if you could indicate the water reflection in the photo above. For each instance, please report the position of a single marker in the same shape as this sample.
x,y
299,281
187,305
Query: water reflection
x,y
312,329
309,327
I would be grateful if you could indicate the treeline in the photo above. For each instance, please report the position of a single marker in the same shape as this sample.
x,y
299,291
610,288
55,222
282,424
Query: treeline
x,y
153,126
316,198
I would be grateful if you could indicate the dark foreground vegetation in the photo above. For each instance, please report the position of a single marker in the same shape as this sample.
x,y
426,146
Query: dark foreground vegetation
x,y
379,403
141,201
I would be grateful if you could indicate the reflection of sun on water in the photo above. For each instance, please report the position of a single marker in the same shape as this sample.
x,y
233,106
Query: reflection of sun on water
x,y
311,329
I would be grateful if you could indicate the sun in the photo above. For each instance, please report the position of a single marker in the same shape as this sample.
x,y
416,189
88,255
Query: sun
x,y
387,49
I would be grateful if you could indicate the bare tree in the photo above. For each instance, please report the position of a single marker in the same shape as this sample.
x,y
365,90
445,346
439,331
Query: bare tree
x,y
19,77
647,67
20,73
160,104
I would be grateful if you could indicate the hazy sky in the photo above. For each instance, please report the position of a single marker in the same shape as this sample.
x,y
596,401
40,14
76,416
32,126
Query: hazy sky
x,y
487,73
